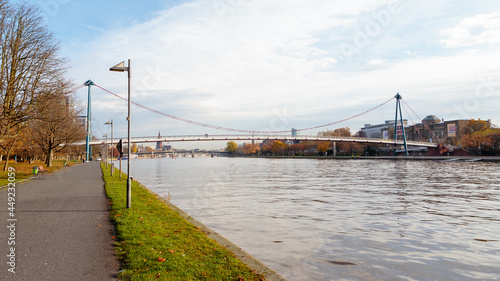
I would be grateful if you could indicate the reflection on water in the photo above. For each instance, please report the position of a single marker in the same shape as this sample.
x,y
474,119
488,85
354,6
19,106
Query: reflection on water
x,y
344,219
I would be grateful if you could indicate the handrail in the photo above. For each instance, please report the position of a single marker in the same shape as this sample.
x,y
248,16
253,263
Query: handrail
x,y
208,137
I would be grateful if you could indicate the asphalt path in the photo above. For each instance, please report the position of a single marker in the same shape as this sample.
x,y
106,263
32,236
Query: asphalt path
x,y
60,227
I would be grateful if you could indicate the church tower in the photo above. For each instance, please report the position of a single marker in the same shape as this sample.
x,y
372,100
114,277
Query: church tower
x,y
159,145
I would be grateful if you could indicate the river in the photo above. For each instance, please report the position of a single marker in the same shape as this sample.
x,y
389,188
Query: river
x,y
344,219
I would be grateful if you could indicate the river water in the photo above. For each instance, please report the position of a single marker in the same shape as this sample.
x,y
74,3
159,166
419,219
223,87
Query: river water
x,y
344,219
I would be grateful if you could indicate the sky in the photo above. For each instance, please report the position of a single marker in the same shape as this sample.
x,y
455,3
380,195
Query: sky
x,y
281,64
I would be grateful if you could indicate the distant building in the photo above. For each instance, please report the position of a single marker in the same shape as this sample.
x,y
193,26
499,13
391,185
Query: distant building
x,y
433,129
294,134
159,145
82,120
380,131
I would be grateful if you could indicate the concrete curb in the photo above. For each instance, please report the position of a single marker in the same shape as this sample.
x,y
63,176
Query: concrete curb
x,y
253,263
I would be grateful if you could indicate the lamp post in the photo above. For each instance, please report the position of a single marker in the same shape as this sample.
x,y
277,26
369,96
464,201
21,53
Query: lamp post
x,y
121,68
112,147
106,150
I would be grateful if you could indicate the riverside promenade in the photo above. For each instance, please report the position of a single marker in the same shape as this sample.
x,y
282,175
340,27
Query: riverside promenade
x,y
60,227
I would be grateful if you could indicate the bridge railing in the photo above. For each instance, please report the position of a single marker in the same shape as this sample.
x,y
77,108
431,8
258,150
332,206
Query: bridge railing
x,y
208,137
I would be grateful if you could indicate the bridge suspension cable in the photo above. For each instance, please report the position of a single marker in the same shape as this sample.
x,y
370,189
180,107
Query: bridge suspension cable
x,y
406,105
76,88
238,130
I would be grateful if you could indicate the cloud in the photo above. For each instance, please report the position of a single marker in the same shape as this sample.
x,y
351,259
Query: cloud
x,y
258,52
471,31
275,64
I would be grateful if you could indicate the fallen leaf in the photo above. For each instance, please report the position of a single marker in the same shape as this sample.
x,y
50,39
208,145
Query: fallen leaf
x,y
171,251
98,225
161,259
113,237
158,275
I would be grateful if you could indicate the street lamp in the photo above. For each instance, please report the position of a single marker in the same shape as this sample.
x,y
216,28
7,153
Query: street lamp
x,y
106,150
121,68
112,147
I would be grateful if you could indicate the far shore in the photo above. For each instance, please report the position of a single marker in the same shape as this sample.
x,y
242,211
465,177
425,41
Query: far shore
x,y
356,157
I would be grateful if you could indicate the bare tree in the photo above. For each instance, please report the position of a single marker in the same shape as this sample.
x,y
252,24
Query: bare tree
x,y
29,68
59,126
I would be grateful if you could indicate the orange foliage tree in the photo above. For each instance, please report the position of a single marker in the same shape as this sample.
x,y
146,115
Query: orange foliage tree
x,y
275,147
340,132
251,149
485,142
296,148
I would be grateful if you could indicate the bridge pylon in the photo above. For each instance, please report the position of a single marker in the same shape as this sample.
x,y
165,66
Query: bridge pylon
x,y
398,108
88,139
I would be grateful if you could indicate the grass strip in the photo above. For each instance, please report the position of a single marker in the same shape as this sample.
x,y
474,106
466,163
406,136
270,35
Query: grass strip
x,y
24,170
154,242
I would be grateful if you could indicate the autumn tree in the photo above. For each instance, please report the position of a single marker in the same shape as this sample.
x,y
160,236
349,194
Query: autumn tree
x,y
309,145
29,68
323,146
474,126
231,147
57,126
340,132
296,148
25,147
485,142
480,138
277,147
251,149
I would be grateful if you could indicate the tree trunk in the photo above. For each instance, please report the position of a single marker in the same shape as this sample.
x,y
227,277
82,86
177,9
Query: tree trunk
x,y
48,157
6,165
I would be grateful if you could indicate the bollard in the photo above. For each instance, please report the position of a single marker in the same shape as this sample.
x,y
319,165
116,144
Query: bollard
x,y
35,171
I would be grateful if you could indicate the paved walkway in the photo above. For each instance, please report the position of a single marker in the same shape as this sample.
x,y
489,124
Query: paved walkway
x,y
62,232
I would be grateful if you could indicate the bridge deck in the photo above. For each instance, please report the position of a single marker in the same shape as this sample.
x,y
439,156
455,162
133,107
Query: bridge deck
x,y
261,138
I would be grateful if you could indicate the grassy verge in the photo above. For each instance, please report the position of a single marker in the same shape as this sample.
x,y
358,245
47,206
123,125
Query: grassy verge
x,y
154,242
24,170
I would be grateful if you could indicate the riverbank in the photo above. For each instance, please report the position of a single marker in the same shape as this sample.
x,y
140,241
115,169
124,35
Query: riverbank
x,y
157,240
406,158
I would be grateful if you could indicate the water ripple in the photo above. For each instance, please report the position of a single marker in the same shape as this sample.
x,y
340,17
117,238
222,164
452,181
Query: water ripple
x,y
344,219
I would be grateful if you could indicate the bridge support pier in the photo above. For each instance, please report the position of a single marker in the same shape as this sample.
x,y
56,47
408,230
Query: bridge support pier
x,y
334,146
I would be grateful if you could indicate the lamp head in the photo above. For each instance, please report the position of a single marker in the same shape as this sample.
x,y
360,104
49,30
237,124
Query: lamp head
x,y
119,67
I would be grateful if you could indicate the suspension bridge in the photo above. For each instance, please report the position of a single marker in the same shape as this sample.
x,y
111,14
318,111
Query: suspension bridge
x,y
195,138
255,135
